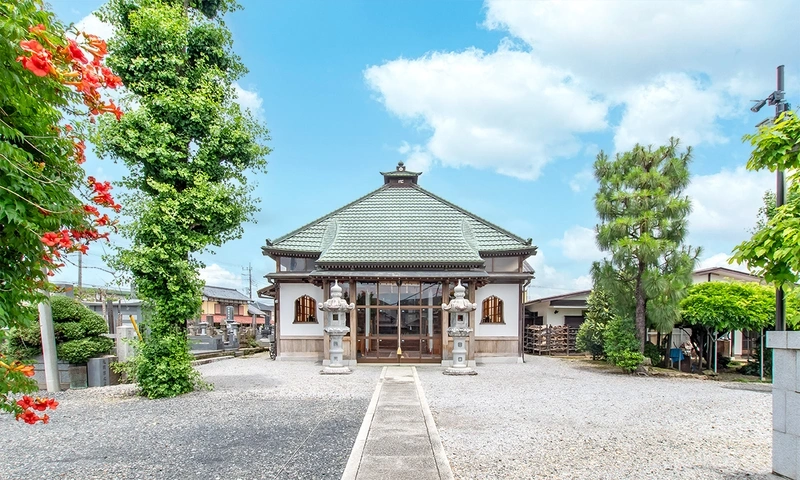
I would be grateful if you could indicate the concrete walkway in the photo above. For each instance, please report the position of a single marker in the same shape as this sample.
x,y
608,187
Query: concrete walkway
x,y
398,438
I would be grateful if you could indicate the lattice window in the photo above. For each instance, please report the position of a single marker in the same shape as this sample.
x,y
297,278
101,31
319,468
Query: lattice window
x,y
305,310
492,309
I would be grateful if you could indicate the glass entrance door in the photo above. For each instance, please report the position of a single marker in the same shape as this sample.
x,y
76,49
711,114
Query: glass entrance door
x,y
399,323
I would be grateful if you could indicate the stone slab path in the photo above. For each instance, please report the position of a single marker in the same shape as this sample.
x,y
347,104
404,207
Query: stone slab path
x,y
398,437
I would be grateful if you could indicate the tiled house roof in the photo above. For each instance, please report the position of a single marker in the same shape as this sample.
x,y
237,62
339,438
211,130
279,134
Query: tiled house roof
x,y
221,293
396,225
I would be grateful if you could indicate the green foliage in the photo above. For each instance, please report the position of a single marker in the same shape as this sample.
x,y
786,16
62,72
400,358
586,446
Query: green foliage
x,y
722,307
79,352
38,176
652,352
621,345
163,367
598,314
774,249
188,146
77,331
643,214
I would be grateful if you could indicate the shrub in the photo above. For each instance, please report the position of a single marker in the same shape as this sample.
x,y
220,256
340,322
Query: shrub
x,y
76,329
164,368
621,345
652,352
80,351
590,334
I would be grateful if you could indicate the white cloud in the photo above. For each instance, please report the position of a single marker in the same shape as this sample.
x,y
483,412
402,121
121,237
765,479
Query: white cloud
x,y
672,105
417,158
578,243
551,281
581,180
216,276
727,202
721,260
615,45
249,99
504,110
93,25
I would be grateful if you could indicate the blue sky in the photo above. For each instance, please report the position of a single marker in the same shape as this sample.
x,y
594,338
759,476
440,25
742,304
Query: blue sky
x,y
502,104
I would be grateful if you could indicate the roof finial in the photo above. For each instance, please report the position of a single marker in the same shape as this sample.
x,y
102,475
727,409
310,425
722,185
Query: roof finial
x,y
401,167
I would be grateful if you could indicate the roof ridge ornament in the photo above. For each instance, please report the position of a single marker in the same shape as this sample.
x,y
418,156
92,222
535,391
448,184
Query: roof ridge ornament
x,y
330,235
469,234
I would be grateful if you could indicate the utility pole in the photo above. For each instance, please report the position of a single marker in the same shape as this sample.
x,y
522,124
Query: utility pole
x,y
249,270
776,98
80,271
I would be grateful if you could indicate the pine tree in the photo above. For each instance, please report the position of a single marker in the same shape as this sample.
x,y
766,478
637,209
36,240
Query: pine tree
x,y
187,145
643,224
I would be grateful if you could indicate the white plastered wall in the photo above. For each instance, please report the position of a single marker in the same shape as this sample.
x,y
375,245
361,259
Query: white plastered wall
x,y
509,294
553,318
289,293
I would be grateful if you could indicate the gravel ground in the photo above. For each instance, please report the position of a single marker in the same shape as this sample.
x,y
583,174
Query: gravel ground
x,y
551,418
264,419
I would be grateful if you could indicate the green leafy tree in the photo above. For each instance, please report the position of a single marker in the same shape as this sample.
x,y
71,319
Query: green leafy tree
x,y
713,309
46,199
774,249
643,213
598,314
187,145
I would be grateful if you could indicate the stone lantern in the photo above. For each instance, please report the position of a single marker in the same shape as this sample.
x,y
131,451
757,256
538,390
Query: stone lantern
x,y
336,309
459,309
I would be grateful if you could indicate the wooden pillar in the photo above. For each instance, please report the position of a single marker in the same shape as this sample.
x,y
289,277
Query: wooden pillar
x,y
472,315
353,323
277,315
326,347
445,321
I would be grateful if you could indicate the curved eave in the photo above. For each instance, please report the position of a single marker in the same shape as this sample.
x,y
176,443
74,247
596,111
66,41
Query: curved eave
x,y
509,253
321,265
273,252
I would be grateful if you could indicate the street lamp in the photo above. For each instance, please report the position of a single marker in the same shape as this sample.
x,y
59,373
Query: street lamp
x,y
776,98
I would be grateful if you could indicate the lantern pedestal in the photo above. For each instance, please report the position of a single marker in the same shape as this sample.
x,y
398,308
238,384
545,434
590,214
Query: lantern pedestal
x,y
460,365
336,366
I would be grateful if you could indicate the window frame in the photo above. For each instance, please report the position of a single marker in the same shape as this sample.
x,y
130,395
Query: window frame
x,y
305,306
495,308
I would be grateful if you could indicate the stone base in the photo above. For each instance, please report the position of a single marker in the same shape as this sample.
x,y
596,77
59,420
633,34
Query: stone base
x,y
785,403
336,371
460,371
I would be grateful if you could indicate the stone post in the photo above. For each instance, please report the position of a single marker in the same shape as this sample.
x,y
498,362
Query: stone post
x,y
785,403
459,309
336,310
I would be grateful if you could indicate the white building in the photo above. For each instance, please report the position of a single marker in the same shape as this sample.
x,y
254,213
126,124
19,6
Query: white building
x,y
398,252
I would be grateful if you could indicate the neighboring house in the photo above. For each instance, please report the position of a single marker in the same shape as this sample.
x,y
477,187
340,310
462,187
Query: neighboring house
x,y
216,301
261,312
569,309
566,309
397,253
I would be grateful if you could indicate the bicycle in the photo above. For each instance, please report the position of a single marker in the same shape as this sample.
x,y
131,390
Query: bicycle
x,y
273,344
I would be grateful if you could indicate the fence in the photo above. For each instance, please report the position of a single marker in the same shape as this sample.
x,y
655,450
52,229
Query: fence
x,y
550,339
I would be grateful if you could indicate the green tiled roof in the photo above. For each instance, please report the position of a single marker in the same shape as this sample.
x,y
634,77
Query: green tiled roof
x,y
399,225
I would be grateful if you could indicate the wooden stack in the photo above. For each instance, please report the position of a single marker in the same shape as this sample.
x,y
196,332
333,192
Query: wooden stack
x,y
550,339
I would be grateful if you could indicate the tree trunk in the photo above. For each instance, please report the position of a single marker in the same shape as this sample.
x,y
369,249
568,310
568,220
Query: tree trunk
x,y
641,325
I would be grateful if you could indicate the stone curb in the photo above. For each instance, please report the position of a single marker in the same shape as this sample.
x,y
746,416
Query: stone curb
x,y
442,464
354,462
195,363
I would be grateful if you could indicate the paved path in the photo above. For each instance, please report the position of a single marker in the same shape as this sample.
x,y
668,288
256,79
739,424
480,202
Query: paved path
x,y
398,438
